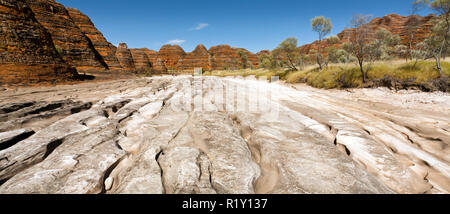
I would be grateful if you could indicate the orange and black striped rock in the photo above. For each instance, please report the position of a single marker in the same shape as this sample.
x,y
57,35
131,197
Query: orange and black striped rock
x,y
224,57
101,45
253,59
141,60
125,58
76,48
199,58
396,24
171,55
27,53
157,63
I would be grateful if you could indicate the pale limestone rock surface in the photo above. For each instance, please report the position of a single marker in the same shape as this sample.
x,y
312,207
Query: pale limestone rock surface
x,y
203,135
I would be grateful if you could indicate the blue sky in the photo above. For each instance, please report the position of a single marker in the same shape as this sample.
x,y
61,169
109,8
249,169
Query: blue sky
x,y
252,24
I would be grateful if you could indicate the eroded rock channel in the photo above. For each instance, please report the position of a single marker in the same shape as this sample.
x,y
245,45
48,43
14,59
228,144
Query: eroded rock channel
x,y
218,135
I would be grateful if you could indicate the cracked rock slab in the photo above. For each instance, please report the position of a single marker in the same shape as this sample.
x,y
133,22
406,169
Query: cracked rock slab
x,y
77,166
184,134
10,138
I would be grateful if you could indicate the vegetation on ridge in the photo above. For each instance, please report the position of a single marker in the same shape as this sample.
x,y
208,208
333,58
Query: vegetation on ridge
x,y
366,56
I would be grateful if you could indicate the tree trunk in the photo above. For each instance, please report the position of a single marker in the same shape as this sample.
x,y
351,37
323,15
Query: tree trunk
x,y
438,57
318,61
319,53
438,64
415,63
411,46
362,71
301,63
292,64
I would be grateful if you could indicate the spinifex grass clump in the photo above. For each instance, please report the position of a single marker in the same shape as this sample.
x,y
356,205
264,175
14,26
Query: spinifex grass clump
x,y
348,76
422,72
335,77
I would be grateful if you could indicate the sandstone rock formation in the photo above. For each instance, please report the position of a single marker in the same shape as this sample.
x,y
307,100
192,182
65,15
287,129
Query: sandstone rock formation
x,y
81,45
396,24
159,66
157,63
101,45
253,59
199,58
27,53
224,57
125,58
141,60
218,57
76,48
171,55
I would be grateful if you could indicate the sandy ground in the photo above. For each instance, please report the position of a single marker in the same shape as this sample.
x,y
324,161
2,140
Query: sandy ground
x,y
223,135
434,103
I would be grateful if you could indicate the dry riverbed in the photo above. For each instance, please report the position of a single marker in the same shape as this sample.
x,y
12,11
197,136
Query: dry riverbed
x,y
222,135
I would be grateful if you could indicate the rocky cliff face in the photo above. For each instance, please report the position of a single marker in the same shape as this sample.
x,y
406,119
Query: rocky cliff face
x,y
253,59
224,57
141,60
171,55
76,48
157,63
78,43
125,58
27,53
396,24
101,45
199,58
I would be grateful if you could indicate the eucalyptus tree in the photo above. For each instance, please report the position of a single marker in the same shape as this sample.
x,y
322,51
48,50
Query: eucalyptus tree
x,y
437,44
359,42
288,52
384,45
322,26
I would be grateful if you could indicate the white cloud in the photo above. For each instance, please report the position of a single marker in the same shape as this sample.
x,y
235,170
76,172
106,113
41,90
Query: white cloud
x,y
200,26
176,42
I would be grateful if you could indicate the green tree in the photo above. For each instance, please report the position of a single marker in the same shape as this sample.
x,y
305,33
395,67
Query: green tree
x,y
383,45
268,61
332,50
359,43
322,26
332,40
264,61
287,52
412,26
419,53
342,56
438,42
302,58
402,51
332,55
244,59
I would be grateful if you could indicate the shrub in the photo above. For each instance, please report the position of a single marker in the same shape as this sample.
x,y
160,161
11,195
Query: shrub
x,y
296,77
335,77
